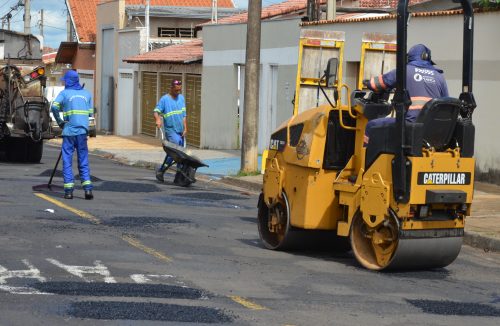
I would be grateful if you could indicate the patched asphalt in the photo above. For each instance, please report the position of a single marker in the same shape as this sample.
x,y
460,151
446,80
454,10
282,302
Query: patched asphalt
x,y
456,308
111,310
120,290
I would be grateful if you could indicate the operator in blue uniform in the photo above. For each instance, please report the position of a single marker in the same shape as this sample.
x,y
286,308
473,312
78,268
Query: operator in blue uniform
x,y
423,81
76,105
171,113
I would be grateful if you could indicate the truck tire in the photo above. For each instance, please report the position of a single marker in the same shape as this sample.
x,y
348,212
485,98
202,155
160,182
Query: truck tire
x,y
16,150
24,150
34,151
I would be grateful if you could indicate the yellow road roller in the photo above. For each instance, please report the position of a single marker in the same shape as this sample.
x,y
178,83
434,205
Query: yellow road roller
x,y
400,202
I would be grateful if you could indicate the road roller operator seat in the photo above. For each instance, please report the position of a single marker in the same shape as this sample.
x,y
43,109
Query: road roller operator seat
x,y
436,121
439,117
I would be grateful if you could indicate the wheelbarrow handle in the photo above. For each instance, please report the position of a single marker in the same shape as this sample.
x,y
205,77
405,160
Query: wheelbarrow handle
x,y
162,133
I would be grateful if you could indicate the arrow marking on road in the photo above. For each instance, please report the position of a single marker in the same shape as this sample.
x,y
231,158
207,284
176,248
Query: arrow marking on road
x,y
246,303
79,271
136,243
143,278
82,214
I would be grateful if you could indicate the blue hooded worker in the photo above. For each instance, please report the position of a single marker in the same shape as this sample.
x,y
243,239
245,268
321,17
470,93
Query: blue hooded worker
x,y
423,81
76,105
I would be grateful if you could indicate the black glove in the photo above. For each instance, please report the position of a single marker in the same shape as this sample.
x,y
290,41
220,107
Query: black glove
x,y
61,124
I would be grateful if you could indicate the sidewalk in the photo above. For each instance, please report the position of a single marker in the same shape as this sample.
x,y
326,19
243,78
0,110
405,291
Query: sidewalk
x,y
482,228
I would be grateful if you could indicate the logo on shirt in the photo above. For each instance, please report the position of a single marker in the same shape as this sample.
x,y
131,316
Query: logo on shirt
x,y
417,77
425,71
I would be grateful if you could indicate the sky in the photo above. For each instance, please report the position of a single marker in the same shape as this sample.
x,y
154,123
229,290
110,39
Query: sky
x,y
55,17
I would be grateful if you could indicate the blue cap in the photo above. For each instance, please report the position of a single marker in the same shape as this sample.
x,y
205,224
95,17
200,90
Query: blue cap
x,y
70,75
420,52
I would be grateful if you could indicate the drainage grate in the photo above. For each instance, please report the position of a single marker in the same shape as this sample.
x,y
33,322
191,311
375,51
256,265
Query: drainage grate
x,y
120,290
112,310
120,186
136,221
207,196
455,308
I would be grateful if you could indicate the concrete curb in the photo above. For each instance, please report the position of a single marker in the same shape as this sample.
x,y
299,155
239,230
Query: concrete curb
x,y
237,182
480,241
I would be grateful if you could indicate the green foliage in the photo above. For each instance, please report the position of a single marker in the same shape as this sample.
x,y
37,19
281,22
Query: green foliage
x,y
489,3
246,174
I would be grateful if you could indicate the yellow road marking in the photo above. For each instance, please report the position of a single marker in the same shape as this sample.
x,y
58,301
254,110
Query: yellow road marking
x,y
78,212
246,303
136,243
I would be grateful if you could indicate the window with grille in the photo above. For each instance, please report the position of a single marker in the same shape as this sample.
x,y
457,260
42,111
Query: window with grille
x,y
176,32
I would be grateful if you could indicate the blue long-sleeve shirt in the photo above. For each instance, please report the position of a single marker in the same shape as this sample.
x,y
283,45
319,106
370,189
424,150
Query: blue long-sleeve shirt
x,y
76,105
423,81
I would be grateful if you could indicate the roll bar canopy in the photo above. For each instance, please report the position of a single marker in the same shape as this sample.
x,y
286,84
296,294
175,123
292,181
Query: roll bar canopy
x,y
402,100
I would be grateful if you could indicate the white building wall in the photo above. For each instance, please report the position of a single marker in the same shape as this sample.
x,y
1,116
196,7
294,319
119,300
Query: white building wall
x,y
224,51
131,42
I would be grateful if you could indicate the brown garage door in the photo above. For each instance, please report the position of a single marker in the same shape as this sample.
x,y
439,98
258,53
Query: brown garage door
x,y
166,80
148,103
192,91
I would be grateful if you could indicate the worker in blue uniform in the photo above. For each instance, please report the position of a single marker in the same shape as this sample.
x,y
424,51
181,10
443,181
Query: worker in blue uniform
x,y
171,113
76,105
423,81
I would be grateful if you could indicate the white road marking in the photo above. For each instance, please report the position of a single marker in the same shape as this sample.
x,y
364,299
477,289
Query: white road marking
x,y
32,272
79,271
21,290
143,278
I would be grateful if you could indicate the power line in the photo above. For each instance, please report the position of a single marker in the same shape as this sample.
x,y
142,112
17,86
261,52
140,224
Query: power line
x,y
6,3
62,29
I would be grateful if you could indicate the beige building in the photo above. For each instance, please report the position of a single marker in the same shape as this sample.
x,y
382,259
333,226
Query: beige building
x,y
120,34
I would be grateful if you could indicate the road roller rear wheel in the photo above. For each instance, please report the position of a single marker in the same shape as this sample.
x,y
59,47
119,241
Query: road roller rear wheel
x,y
274,223
374,247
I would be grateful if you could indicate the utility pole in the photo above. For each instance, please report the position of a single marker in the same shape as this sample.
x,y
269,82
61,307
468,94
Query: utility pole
x,y
214,11
68,27
27,16
331,9
41,22
147,25
249,150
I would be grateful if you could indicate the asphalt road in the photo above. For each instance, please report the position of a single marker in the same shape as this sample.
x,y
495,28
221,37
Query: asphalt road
x,y
144,253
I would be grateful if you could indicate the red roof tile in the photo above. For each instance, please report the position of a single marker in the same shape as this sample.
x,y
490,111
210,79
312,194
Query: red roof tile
x,y
394,16
180,53
282,8
84,12
183,3
49,57
385,3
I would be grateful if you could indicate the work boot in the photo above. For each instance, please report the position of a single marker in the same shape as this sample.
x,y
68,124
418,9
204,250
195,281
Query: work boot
x,y
89,195
68,195
159,175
